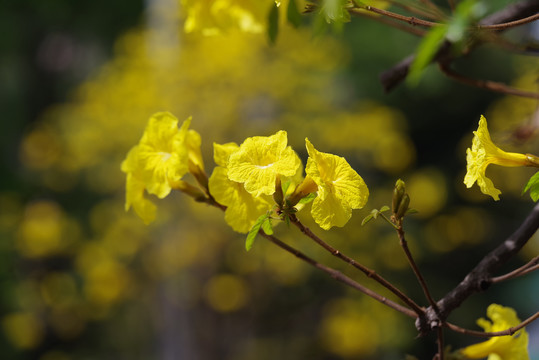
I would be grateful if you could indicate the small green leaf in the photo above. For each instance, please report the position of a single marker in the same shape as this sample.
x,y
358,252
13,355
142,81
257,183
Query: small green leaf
x,y
292,14
273,23
426,51
307,199
266,226
367,219
384,208
411,211
254,231
533,187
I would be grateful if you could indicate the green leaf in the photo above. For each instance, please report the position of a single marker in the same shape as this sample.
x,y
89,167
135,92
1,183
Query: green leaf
x,y
411,211
292,14
384,208
335,11
273,23
266,226
367,219
426,51
307,199
254,231
533,187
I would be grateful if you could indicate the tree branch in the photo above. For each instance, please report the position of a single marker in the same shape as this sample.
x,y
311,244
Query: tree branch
x,y
482,334
480,278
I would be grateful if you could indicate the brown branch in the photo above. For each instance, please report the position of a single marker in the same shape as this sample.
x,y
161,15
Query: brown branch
x,y
337,275
368,272
479,278
394,76
411,261
509,24
486,84
482,334
395,24
440,334
532,265
412,20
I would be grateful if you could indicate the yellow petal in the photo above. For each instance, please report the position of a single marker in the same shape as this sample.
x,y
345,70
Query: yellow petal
x,y
221,152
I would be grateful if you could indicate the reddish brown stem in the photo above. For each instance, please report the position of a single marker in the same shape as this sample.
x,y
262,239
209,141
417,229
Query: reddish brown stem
x,y
368,272
507,332
485,84
532,265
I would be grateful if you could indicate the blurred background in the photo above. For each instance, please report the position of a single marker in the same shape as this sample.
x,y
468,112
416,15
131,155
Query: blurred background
x,y
82,279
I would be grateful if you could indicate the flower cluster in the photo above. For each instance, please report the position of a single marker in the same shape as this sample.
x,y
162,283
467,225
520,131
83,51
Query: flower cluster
x,y
249,174
499,347
250,179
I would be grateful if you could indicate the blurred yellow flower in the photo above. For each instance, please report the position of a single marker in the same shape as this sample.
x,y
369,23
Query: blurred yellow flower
x,y
340,188
211,17
243,209
483,153
500,347
260,161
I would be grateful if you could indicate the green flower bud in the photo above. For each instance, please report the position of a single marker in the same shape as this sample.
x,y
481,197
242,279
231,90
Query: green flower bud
x,y
398,192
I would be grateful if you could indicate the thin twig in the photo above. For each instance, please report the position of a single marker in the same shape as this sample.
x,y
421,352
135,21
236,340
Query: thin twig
x,y
532,265
337,275
481,334
509,24
409,19
434,14
368,272
440,334
486,84
422,282
389,22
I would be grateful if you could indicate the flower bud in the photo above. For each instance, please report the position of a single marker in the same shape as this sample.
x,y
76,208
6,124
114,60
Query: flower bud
x,y
403,206
398,192
278,196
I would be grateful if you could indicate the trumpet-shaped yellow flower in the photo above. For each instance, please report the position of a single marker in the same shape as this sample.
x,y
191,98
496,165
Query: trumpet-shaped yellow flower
x,y
243,209
260,160
483,153
135,187
340,188
163,153
500,347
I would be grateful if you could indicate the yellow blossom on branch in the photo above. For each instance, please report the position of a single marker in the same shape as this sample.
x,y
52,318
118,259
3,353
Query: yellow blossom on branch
x,y
340,188
163,153
500,347
260,161
483,153
243,209
158,162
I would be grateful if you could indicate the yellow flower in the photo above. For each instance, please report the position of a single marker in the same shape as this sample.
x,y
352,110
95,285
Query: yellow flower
x,y
260,161
211,17
500,347
134,195
483,153
340,188
163,153
243,209
158,162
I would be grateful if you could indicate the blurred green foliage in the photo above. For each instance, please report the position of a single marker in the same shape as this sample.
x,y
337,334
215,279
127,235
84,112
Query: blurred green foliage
x,y
82,279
